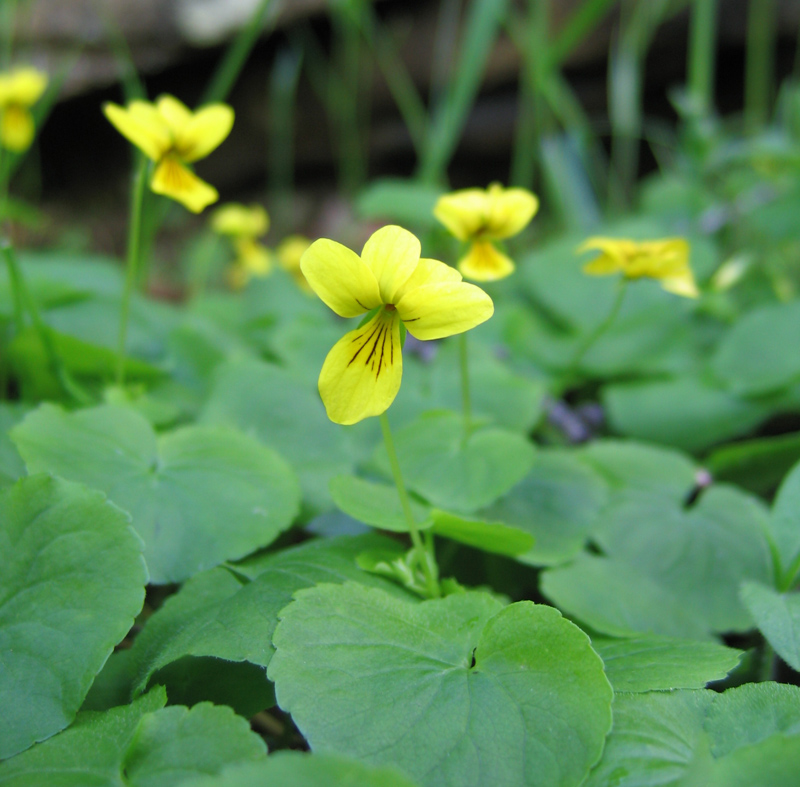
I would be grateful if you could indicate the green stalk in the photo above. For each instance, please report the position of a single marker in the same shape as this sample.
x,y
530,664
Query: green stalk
x,y
425,555
583,20
4,178
8,10
592,337
759,64
132,263
465,395
282,98
702,52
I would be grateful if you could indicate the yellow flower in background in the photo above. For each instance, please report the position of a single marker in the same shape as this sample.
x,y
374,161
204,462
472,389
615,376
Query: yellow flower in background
x,y
666,260
289,253
243,225
482,216
19,90
173,136
361,375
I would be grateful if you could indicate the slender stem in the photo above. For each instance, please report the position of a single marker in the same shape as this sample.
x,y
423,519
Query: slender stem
x,y
5,175
592,337
426,556
132,264
790,576
465,394
759,65
702,49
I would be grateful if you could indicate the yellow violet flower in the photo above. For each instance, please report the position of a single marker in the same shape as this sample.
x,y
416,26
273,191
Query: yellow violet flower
x,y
289,253
666,260
361,375
19,90
243,225
481,216
169,134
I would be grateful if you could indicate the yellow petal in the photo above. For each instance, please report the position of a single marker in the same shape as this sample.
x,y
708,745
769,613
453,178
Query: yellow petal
x,y
140,124
340,278
361,375
174,113
204,132
462,212
428,272
237,277
254,257
16,128
290,251
240,221
681,285
174,180
509,211
392,254
437,310
484,262
23,86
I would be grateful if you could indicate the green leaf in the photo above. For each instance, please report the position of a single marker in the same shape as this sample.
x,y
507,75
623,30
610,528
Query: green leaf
x,y
661,663
376,504
453,474
72,582
137,745
224,618
752,359
453,691
197,495
784,524
684,412
557,503
11,464
285,414
296,769
777,615
495,537
406,202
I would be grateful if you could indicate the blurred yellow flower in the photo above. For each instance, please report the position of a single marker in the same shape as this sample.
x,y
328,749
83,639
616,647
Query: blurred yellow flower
x,y
243,225
361,375
19,90
289,253
666,260
481,216
173,136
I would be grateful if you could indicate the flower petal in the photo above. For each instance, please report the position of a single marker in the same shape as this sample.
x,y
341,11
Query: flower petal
x,y
428,272
140,124
392,254
484,262
23,86
16,128
204,132
240,221
253,256
340,278
174,180
509,211
681,285
462,212
437,310
361,375
174,113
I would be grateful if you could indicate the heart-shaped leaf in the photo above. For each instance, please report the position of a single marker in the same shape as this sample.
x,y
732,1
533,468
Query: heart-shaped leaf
x,y
453,691
777,615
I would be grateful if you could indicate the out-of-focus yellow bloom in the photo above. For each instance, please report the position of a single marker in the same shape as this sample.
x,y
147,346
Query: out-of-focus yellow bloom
x,y
243,225
666,260
19,90
289,253
361,375
174,136
482,216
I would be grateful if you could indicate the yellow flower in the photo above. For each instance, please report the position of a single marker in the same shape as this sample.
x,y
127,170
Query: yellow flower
x,y
19,90
666,260
289,252
243,225
361,375
173,136
482,216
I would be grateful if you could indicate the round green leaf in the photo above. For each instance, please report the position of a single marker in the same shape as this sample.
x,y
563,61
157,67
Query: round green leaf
x,y
784,523
453,691
777,615
495,537
72,582
455,474
197,496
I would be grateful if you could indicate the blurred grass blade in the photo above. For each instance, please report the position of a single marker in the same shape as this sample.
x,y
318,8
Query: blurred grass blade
x,y
282,98
760,64
482,27
236,55
8,16
702,54
582,22
132,86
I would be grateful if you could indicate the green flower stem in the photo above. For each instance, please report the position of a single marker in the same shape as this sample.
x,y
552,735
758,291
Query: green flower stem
x,y
759,64
132,264
590,340
702,51
22,297
466,399
4,178
425,553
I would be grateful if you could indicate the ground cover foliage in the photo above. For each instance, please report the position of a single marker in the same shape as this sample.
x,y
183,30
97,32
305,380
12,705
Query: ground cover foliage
x,y
206,582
